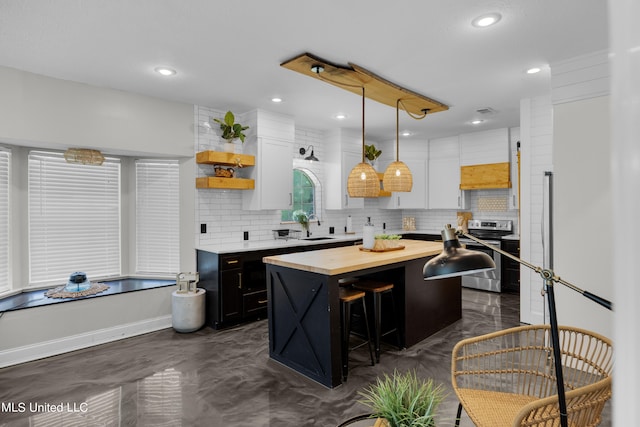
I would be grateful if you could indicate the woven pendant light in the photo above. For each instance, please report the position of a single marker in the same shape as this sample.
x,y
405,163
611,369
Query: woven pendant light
x,y
397,177
363,179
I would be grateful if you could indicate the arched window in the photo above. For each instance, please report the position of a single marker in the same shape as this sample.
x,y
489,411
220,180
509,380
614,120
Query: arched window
x,y
304,195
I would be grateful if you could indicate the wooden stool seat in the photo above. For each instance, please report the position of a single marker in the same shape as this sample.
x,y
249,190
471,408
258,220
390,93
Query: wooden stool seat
x,y
347,297
347,281
377,289
372,286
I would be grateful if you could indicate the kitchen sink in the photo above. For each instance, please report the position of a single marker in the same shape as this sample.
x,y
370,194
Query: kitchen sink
x,y
318,238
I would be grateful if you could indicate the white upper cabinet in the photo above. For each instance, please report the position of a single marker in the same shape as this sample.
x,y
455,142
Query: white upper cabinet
x,y
343,152
270,140
414,155
485,147
444,174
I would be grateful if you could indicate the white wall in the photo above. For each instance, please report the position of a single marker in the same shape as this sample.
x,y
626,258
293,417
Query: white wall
x,y
582,213
625,172
40,332
536,133
582,193
45,112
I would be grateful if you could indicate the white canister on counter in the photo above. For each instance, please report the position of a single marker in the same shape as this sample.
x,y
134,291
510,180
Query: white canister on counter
x,y
368,235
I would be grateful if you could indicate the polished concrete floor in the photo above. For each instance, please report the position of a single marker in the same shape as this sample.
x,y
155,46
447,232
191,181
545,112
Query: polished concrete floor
x,y
223,378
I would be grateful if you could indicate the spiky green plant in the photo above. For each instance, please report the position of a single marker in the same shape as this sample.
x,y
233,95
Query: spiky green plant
x,y
404,400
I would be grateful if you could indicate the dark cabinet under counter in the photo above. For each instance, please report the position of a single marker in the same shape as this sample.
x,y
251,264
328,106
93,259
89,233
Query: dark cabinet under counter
x,y
510,269
236,284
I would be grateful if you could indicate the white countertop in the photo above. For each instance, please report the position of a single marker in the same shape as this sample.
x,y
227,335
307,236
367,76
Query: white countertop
x,y
257,245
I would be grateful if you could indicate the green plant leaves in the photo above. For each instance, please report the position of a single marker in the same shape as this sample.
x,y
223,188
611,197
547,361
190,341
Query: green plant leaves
x,y
230,129
371,152
404,400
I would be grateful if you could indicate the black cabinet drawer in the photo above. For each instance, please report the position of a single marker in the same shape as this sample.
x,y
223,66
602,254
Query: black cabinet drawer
x,y
254,304
228,262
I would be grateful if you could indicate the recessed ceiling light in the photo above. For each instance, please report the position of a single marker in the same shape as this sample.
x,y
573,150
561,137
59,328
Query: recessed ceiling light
x,y
406,133
276,100
165,71
476,122
534,70
340,116
486,20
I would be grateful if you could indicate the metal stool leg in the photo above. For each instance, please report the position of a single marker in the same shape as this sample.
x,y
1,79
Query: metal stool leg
x,y
366,322
346,328
377,302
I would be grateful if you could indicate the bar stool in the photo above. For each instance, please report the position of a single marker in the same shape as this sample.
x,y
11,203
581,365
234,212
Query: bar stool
x,y
349,296
377,290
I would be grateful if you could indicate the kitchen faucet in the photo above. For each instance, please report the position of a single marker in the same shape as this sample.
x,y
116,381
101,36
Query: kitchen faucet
x,y
316,218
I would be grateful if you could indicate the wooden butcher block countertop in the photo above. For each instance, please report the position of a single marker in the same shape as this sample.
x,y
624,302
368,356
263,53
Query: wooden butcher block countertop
x,y
346,259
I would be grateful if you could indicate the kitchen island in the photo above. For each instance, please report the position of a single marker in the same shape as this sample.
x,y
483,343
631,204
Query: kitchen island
x,y
304,309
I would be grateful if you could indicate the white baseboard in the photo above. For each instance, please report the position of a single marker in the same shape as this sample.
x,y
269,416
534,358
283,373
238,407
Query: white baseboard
x,y
41,350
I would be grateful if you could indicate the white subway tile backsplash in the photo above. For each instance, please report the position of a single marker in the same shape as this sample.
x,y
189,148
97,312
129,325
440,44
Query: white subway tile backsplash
x,y
221,210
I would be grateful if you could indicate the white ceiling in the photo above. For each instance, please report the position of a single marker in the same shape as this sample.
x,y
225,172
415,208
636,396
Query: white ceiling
x,y
228,53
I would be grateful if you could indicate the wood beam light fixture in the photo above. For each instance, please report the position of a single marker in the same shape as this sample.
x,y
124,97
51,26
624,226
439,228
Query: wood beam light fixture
x,y
397,176
354,77
363,180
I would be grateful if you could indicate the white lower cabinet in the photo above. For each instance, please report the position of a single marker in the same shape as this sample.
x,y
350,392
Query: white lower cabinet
x,y
273,175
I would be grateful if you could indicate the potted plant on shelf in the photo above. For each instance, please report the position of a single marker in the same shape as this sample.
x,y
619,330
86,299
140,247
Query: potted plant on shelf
x,y
404,400
231,130
371,153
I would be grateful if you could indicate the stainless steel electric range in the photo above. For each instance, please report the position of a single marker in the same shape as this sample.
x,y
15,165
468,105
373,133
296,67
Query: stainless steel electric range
x,y
491,231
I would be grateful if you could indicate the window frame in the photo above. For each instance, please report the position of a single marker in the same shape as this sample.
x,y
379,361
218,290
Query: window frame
x,y
111,225
317,197
168,199
6,235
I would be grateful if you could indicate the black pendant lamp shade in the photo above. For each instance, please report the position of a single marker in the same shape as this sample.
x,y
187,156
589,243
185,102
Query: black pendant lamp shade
x,y
456,260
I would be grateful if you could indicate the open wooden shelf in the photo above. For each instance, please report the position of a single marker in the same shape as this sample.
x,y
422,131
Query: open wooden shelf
x,y
383,192
225,158
228,183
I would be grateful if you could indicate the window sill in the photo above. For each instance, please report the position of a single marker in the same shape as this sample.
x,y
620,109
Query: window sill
x,y
30,299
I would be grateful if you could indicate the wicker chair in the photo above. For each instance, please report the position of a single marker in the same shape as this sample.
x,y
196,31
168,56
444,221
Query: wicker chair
x,y
507,378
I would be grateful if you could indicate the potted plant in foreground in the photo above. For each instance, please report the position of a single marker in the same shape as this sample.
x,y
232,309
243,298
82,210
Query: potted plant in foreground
x,y
404,400
231,130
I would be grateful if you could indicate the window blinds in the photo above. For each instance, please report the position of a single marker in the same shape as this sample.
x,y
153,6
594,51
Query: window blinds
x,y
157,217
5,277
74,218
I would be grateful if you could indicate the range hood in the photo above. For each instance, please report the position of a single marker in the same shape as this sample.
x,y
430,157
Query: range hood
x,y
485,176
